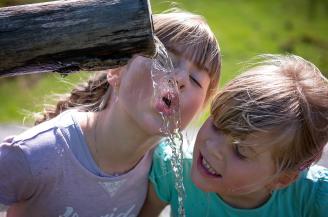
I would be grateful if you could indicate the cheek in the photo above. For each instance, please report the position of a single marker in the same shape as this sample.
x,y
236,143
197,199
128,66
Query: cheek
x,y
138,73
245,175
137,85
190,106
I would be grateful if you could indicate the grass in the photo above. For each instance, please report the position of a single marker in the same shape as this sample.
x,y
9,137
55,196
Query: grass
x,y
243,28
27,94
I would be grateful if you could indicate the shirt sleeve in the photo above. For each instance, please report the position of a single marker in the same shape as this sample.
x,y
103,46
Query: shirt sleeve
x,y
15,174
161,173
320,205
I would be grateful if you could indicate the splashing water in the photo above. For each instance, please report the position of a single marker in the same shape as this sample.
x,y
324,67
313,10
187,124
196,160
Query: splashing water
x,y
175,141
166,90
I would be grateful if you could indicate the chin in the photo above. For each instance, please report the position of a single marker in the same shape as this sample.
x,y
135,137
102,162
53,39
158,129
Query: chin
x,y
197,180
148,123
200,185
152,129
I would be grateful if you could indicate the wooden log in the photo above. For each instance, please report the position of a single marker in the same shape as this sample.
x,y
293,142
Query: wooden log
x,y
73,35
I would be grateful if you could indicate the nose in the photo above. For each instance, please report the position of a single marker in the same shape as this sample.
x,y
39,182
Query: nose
x,y
181,77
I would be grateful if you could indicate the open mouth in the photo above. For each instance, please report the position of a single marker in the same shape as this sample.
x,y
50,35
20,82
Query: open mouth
x,y
206,167
168,104
167,101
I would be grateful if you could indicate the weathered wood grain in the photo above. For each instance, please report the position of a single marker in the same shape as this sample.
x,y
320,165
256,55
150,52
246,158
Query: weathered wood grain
x,y
73,35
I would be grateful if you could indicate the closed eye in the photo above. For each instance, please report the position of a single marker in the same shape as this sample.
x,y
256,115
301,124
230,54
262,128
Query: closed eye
x,y
238,151
195,81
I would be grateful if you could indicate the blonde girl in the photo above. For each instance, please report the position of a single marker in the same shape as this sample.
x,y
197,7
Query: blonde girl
x,y
255,154
93,159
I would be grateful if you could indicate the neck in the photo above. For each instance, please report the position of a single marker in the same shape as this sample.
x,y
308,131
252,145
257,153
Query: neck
x,y
118,147
248,201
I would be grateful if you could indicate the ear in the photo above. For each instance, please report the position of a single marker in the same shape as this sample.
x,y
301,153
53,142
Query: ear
x,y
114,76
285,179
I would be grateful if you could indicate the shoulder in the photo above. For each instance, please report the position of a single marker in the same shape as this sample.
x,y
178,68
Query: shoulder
x,y
47,133
63,120
36,139
162,172
317,179
317,173
313,179
310,191
161,163
166,152
163,151
41,145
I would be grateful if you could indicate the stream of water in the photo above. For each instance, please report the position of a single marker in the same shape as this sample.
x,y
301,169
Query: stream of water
x,y
164,82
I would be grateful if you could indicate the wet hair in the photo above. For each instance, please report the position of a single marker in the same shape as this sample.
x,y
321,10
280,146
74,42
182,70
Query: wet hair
x,y
282,95
181,32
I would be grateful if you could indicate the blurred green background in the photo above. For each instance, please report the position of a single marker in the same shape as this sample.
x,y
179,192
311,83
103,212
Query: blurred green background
x,y
244,28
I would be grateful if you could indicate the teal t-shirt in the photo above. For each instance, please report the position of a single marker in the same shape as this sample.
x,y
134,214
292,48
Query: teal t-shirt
x,y
307,197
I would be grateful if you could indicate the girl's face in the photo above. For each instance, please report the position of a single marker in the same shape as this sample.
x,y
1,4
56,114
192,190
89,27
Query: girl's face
x,y
193,85
136,93
233,171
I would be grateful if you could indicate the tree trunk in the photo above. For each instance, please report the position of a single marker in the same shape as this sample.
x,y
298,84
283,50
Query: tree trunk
x,y
73,35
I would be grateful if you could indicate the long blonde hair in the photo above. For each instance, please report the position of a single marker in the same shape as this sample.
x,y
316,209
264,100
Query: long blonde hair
x,y
281,93
182,32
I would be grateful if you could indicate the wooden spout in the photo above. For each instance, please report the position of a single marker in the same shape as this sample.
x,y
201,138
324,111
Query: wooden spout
x,y
73,35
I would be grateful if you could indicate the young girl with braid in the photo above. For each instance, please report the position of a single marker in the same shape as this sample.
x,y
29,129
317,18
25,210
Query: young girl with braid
x,y
255,155
90,155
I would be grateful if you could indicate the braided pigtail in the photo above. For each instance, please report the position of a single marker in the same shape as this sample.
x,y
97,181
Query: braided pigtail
x,y
92,95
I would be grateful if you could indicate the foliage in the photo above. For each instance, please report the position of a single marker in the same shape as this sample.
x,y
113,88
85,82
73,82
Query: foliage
x,y
243,28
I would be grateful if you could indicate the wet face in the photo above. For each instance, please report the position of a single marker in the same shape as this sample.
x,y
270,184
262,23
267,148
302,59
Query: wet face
x,y
229,168
135,95
137,99
193,84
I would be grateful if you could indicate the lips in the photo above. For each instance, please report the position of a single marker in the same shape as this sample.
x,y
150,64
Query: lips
x,y
205,167
168,103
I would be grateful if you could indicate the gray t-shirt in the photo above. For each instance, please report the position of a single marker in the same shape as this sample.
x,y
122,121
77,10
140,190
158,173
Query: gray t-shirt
x,y
40,176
